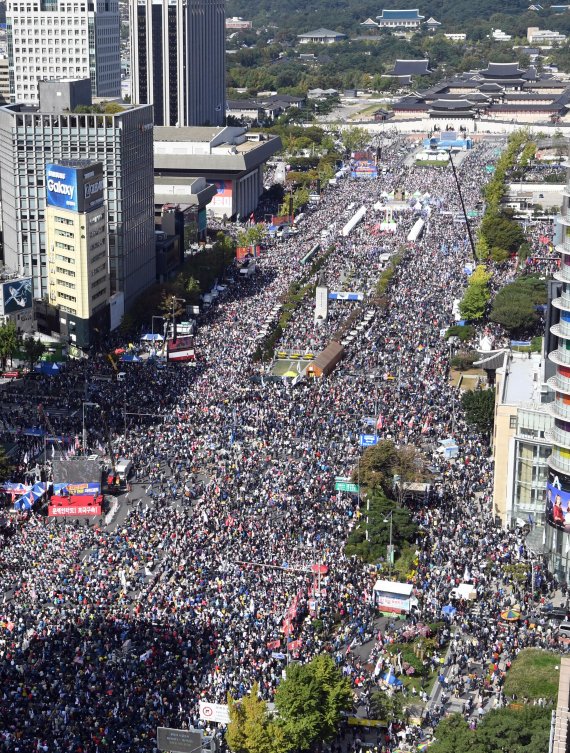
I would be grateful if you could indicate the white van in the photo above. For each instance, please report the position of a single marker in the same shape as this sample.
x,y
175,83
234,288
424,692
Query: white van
x,y
123,468
564,629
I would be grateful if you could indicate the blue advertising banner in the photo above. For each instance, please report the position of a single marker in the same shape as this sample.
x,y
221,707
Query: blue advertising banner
x,y
61,187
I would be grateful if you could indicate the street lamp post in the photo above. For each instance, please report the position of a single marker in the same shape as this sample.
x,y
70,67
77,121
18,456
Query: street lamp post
x,y
84,431
389,518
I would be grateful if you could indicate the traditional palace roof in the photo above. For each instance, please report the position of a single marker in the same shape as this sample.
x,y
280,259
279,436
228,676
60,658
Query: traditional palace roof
x,y
401,15
410,68
501,71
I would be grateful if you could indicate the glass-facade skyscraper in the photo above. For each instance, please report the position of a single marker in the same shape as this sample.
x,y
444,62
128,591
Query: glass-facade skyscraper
x,y
178,60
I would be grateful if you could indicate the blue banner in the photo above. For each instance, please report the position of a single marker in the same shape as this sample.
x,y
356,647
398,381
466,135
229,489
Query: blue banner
x,y
368,440
90,489
336,295
61,187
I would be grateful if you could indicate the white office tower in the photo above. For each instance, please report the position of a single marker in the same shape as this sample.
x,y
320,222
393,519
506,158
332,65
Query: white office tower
x,y
50,39
178,60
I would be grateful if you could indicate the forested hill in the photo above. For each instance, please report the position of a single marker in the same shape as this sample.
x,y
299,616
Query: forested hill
x,y
345,15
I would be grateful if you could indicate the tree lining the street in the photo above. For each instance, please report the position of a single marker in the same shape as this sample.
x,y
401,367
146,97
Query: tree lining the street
x,y
309,702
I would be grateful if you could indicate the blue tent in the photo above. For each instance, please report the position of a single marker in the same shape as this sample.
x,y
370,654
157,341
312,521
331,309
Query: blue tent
x,y
128,358
26,501
449,610
47,368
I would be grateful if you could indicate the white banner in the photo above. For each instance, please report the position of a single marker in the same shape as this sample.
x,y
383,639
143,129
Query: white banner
x,y
214,712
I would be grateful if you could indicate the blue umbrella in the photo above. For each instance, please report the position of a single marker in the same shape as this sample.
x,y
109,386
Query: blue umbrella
x,y
390,679
449,610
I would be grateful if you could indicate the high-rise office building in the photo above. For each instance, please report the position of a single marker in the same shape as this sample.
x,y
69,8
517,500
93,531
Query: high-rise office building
x,y
76,39
78,259
32,137
178,60
557,538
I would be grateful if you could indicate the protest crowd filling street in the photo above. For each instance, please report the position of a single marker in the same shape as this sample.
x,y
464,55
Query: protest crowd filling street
x,y
111,631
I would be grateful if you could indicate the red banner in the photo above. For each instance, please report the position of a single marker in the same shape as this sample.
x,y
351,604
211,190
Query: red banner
x,y
295,645
282,219
62,507
272,645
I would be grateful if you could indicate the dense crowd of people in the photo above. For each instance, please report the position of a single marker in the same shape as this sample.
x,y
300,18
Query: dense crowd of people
x,y
235,541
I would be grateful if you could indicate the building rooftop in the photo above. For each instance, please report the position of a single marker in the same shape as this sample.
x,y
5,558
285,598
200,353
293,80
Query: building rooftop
x,y
404,15
502,70
325,33
452,104
188,133
411,68
242,104
521,385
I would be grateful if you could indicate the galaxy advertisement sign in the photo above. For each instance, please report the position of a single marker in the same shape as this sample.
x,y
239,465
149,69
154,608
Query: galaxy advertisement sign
x,y
61,187
558,501
77,187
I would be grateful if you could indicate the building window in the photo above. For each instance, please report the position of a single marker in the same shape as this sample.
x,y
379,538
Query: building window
x,y
63,271
66,259
66,284
512,422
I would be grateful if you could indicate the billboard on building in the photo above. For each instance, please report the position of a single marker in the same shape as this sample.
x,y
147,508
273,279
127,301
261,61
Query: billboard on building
x,y
93,187
17,295
75,185
364,168
558,501
116,309
224,198
61,187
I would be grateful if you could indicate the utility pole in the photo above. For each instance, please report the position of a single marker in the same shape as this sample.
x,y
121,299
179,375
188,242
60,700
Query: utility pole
x,y
463,208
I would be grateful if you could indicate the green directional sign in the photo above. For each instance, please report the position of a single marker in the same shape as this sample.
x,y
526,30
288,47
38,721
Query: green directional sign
x,y
344,486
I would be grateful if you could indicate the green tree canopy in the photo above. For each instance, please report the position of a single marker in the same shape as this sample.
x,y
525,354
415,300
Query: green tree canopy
x,y
310,702
251,728
9,341
474,302
34,350
480,276
479,406
354,138
374,549
501,232
514,305
192,290
510,730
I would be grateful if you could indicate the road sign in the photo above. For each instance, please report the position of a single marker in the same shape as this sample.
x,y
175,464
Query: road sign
x,y
368,440
179,740
343,486
341,478
214,712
